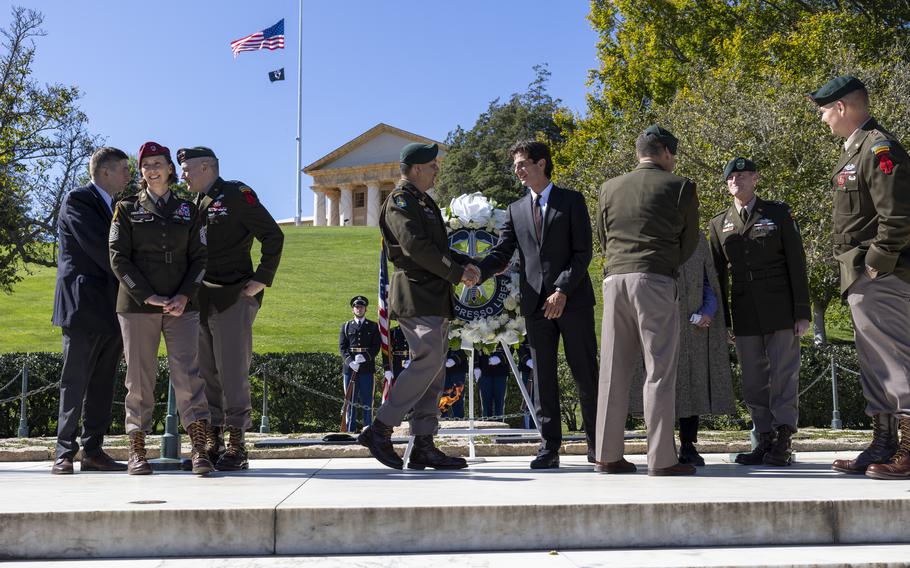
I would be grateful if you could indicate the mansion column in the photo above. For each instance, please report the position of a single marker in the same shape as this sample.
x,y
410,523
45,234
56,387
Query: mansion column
x,y
347,204
332,207
318,207
373,203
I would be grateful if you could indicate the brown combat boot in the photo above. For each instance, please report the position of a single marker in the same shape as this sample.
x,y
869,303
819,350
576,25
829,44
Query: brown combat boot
x,y
899,466
426,454
138,465
201,463
234,457
757,455
880,450
214,442
781,452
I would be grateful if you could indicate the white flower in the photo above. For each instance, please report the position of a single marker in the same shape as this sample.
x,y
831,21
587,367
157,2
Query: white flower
x,y
500,216
472,209
510,336
510,303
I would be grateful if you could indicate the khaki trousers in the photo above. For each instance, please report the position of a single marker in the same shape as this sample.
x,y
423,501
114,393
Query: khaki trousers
x,y
419,386
640,321
770,365
141,337
881,320
225,350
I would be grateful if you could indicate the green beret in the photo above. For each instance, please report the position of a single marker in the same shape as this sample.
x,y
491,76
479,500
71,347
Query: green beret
x,y
417,153
836,89
185,154
739,165
664,136
359,301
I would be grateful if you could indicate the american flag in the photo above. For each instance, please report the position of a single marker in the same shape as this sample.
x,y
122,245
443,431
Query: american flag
x,y
269,38
384,318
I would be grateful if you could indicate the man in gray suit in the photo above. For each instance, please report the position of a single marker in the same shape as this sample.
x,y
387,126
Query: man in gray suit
x,y
647,221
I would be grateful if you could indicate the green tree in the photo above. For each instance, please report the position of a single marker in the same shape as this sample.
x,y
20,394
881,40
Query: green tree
x,y
44,150
478,160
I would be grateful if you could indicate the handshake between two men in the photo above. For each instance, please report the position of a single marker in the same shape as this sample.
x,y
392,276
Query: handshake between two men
x,y
471,276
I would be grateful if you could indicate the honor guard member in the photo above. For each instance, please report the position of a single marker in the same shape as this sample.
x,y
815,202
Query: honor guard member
x,y
757,244
871,183
493,376
230,297
526,369
401,355
421,299
157,252
456,373
358,344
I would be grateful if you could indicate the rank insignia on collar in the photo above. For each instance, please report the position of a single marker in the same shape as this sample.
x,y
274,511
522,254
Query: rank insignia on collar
x,y
400,201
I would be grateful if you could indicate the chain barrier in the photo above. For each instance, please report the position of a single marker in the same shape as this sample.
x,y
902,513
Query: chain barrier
x,y
30,393
851,371
352,404
824,374
13,380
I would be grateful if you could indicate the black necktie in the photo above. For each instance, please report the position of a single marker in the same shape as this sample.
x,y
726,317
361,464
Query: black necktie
x,y
538,218
161,203
744,213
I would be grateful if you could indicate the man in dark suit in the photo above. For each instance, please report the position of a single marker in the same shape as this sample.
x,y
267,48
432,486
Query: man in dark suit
x,y
84,306
551,229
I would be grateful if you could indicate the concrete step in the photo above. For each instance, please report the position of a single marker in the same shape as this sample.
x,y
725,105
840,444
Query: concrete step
x,y
357,506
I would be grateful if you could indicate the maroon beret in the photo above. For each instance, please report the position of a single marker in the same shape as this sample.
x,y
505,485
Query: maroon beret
x,y
153,149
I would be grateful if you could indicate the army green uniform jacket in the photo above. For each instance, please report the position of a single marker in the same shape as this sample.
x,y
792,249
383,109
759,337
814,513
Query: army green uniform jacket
x,y
871,183
647,221
417,244
156,251
233,216
765,259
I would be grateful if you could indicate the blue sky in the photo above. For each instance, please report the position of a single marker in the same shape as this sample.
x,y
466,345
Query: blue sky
x,y
164,71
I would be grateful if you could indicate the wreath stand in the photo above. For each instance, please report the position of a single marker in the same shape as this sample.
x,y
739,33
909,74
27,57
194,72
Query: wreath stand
x,y
470,432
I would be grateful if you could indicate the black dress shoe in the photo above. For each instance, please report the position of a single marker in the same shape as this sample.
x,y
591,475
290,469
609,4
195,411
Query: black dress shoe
x,y
425,454
100,462
63,466
546,459
688,454
378,439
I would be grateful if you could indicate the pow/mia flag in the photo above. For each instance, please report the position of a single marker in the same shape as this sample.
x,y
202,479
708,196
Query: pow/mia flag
x,y
277,75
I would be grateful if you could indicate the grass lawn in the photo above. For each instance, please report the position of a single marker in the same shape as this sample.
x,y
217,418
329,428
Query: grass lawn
x,y
321,269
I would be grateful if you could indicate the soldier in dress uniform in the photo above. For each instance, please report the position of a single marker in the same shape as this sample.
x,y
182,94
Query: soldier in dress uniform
x,y
401,355
359,343
158,253
526,369
493,376
421,299
757,243
456,373
871,183
230,297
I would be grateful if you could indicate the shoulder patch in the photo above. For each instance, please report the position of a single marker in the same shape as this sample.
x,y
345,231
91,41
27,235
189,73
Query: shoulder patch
x,y
881,149
248,194
400,201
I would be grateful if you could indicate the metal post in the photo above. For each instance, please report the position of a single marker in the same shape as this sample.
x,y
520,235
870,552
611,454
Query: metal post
x,y
300,114
170,441
470,378
836,423
264,425
23,417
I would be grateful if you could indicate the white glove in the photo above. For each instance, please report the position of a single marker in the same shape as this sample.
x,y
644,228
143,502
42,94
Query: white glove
x,y
450,363
360,358
405,364
355,365
477,374
495,360
388,375
530,363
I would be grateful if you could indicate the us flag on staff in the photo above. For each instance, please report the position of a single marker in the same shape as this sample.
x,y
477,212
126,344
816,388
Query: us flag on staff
x,y
384,318
270,38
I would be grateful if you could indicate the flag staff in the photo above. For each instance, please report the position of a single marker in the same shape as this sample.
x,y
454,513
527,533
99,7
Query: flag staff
x,y
299,111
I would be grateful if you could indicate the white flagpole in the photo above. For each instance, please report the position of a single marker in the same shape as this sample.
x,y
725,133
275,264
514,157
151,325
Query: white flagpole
x,y
299,110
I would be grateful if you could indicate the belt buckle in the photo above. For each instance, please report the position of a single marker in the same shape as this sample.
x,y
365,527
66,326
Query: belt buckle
x,y
751,277
168,257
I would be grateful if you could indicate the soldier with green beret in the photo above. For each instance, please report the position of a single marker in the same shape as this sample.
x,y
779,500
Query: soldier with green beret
x,y
230,296
421,299
158,253
871,183
756,243
647,221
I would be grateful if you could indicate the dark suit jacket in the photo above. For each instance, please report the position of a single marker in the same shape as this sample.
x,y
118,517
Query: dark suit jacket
x,y
560,261
86,288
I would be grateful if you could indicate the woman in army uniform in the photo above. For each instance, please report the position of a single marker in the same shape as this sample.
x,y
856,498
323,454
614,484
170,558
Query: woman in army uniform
x,y
158,254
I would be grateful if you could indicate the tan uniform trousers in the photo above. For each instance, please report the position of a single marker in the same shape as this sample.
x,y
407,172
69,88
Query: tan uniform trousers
x,y
141,337
770,366
640,321
225,350
881,320
419,386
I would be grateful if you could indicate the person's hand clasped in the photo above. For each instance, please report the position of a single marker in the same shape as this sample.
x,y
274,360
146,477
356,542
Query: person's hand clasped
x,y
704,321
554,305
471,276
176,305
157,300
355,366
450,363
360,358
388,375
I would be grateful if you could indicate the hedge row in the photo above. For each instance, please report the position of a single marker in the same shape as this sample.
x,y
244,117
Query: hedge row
x,y
294,379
